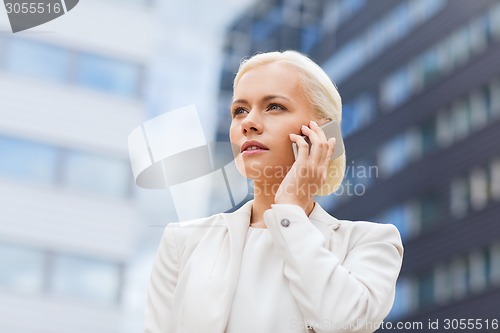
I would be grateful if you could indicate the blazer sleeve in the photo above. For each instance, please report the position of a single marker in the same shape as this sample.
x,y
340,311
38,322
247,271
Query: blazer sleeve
x,y
349,296
159,315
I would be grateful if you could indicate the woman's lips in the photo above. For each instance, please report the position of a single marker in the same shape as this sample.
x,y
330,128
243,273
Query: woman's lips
x,y
253,147
253,151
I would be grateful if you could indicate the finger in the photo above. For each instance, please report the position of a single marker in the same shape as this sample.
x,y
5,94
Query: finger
x,y
318,130
302,146
328,159
323,140
319,146
331,148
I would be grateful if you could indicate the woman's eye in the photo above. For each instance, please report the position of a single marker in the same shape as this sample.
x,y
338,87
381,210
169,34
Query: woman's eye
x,y
238,111
276,107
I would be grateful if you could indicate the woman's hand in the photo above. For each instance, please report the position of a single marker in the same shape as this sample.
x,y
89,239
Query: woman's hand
x,y
309,172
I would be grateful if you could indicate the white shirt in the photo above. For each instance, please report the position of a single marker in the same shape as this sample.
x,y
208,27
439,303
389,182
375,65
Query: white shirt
x,y
262,294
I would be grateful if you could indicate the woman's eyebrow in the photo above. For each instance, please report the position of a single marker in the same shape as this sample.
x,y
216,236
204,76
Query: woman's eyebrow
x,y
265,99
240,101
268,97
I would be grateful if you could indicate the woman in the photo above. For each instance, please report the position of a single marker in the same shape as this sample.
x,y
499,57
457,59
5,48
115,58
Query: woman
x,y
280,263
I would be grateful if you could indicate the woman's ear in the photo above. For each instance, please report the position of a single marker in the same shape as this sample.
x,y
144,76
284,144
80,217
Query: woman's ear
x,y
322,121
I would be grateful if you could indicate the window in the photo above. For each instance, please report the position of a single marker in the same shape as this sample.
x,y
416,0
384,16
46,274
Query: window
x,y
85,278
3,47
478,269
461,117
399,152
428,135
21,269
429,66
404,299
459,278
310,35
394,26
430,210
101,174
106,74
358,113
494,94
366,171
478,32
426,289
28,160
337,12
396,88
392,157
494,19
39,60
495,179
444,129
495,263
423,70
479,104
459,197
399,216
442,289
478,188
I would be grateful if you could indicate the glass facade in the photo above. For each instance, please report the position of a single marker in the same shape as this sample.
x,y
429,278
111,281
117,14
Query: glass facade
x,y
338,12
358,113
31,270
85,279
100,174
414,216
447,282
394,26
21,269
64,66
38,60
474,190
27,160
455,122
453,51
41,163
109,75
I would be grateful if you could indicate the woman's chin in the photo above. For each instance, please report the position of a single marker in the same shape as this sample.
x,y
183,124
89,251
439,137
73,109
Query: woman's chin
x,y
262,172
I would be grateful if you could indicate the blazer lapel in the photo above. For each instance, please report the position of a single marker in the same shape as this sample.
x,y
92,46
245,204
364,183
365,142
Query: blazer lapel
x,y
209,290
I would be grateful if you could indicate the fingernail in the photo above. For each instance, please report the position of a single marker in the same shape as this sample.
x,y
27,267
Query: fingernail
x,y
313,123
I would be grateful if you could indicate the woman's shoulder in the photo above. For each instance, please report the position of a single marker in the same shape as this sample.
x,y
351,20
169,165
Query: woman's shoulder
x,y
195,226
360,232
355,228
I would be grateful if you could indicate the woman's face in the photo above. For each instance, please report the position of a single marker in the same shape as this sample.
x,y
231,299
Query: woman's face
x,y
268,104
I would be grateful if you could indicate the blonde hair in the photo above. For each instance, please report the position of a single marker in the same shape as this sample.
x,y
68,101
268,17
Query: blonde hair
x,y
319,90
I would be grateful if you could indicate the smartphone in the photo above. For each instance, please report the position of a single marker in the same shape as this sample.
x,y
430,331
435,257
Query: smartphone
x,y
332,130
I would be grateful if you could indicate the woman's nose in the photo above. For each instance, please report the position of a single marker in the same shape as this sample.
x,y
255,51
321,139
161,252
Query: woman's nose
x,y
251,123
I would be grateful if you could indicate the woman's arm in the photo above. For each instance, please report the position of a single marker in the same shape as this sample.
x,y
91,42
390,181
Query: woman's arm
x,y
159,315
334,296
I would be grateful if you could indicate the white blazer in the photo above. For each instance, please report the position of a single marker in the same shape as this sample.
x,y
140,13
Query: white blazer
x,y
341,270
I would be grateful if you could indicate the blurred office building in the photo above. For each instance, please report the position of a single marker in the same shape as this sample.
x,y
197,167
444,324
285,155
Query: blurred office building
x,y
420,82
70,93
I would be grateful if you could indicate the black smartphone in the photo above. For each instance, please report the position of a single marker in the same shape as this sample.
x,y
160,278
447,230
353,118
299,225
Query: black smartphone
x,y
332,130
